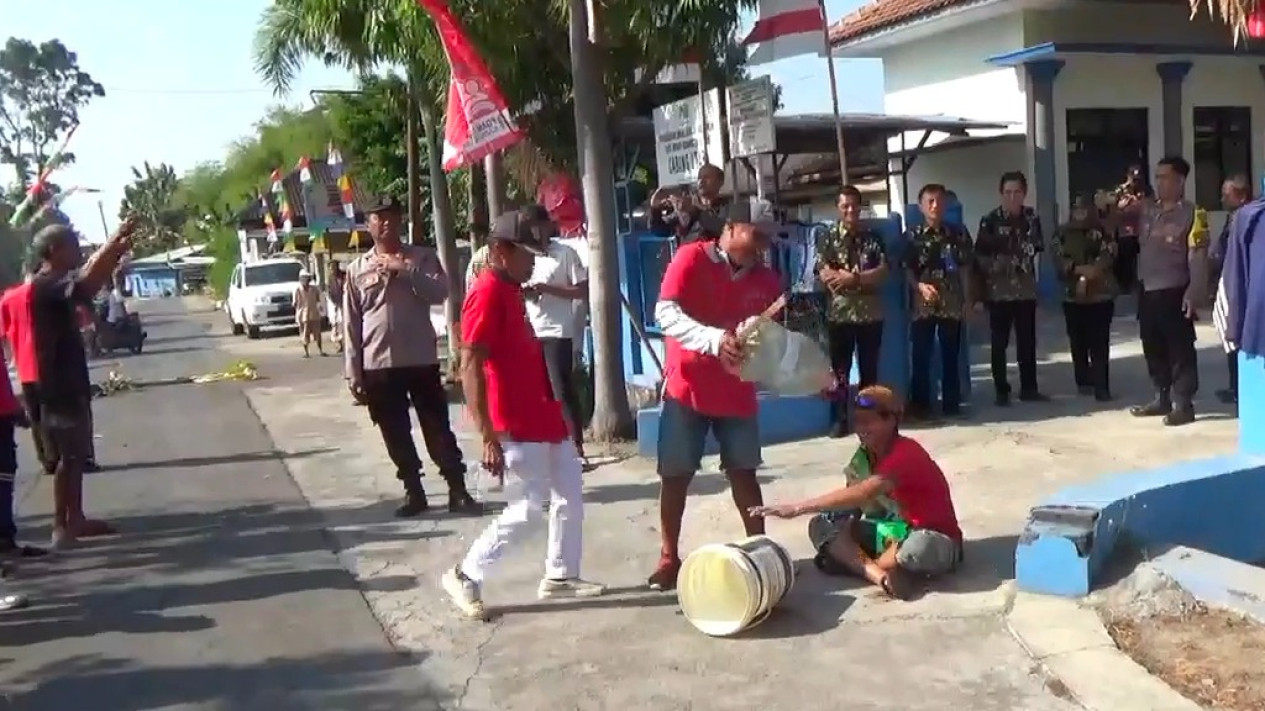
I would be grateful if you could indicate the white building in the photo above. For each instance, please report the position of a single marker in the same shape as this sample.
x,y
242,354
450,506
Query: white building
x,y
1088,87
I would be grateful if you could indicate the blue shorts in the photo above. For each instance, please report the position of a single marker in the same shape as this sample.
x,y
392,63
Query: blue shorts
x,y
683,436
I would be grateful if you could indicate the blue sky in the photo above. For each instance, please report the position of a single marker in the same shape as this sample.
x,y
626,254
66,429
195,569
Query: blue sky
x,y
180,86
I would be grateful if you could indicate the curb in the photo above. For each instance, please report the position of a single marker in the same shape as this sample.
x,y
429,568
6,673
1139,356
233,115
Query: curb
x,y
1071,644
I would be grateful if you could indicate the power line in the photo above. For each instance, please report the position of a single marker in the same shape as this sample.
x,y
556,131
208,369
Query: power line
x,y
168,91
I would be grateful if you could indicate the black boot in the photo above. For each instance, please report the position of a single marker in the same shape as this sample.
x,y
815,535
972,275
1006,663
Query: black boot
x,y
1182,414
1159,407
839,416
415,503
459,499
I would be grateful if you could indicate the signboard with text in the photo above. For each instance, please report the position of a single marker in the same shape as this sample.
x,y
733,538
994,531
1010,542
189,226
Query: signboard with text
x,y
687,134
323,208
751,107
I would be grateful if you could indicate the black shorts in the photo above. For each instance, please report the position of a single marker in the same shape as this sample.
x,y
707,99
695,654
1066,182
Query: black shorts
x,y
66,431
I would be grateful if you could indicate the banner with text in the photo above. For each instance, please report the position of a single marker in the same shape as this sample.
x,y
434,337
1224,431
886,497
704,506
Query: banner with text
x,y
751,118
687,134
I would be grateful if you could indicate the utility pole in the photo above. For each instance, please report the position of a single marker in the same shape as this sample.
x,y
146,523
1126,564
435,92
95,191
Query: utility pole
x,y
612,417
494,174
414,163
441,218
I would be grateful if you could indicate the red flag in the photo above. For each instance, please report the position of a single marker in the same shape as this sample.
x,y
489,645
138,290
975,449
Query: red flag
x,y
478,121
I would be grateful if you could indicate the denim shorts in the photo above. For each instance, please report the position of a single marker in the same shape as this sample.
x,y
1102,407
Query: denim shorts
x,y
683,436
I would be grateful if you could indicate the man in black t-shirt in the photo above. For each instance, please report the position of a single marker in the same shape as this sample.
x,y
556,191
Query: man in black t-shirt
x,y
64,390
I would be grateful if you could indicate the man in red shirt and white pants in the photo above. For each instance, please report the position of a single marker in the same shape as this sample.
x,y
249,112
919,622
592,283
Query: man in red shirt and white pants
x,y
524,433
709,288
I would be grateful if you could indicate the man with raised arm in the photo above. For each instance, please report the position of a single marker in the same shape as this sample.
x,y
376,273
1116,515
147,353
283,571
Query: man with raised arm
x,y
58,290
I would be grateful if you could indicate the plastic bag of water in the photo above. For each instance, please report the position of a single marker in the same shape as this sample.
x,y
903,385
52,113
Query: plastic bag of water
x,y
783,361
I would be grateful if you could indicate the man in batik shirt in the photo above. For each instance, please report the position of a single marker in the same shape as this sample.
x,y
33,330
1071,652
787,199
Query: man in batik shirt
x,y
851,265
1006,249
938,260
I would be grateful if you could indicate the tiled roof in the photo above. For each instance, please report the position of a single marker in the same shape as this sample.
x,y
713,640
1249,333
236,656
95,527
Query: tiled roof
x,y
881,14
251,215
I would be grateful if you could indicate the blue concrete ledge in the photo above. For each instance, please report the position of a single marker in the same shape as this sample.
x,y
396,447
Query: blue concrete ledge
x,y
1214,580
1209,504
782,419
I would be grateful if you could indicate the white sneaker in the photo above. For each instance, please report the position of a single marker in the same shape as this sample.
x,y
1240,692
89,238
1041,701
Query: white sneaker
x,y
571,587
465,593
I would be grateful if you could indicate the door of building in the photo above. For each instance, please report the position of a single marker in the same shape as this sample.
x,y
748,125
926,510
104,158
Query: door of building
x,y
1102,144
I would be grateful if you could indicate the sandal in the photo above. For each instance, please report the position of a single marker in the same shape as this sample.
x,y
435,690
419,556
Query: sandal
x,y
896,586
14,550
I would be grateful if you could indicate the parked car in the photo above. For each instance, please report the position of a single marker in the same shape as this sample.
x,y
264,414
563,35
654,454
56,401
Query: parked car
x,y
261,295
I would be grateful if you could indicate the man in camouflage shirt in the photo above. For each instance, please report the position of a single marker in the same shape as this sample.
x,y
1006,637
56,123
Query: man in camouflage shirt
x,y
1085,255
851,264
1006,248
938,259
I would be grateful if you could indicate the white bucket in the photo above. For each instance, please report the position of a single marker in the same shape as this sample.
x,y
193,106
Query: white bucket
x,y
725,588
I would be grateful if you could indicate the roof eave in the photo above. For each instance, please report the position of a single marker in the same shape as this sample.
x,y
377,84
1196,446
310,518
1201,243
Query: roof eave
x,y
872,44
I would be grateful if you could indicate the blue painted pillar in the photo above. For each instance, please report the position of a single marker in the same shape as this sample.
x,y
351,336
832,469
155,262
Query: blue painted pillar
x,y
1251,404
1172,75
893,365
1040,90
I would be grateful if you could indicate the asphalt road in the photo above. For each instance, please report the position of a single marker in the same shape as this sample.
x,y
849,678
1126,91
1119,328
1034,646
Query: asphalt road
x,y
221,591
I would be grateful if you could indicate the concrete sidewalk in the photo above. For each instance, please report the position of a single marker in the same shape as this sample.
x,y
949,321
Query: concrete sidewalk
x,y
831,639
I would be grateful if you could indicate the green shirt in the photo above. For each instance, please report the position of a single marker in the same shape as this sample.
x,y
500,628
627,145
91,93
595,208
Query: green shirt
x,y
939,256
1078,246
857,251
1006,249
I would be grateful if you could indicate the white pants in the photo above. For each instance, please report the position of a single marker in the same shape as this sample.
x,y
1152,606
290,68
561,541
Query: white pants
x,y
537,472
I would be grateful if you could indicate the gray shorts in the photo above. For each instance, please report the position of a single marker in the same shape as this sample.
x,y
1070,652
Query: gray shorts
x,y
683,437
66,433
923,552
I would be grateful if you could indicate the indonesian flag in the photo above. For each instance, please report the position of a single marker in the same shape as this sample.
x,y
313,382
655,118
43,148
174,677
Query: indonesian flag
x,y
335,162
283,205
787,28
478,121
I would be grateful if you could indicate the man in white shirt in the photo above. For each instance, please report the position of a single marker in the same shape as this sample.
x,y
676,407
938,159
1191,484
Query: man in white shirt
x,y
116,307
558,281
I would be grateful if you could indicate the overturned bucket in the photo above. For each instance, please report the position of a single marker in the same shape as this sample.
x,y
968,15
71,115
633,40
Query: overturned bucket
x,y
725,588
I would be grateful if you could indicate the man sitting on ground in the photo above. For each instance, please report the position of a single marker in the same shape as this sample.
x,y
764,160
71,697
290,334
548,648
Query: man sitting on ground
x,y
909,526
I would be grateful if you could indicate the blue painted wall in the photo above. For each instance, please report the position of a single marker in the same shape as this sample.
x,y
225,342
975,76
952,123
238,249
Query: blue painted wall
x,y
1210,504
153,281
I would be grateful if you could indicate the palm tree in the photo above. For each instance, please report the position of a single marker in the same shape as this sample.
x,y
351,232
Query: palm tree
x,y
526,46
152,198
1234,13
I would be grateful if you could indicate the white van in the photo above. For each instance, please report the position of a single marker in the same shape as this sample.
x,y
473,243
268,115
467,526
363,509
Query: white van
x,y
261,295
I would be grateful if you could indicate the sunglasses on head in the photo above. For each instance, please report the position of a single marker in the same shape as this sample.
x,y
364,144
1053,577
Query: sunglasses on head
x,y
865,402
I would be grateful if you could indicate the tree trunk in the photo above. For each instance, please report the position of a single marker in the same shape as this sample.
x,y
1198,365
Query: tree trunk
x,y
477,200
414,164
612,418
494,176
445,233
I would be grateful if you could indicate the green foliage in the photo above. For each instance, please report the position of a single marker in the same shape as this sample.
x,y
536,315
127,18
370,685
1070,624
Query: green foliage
x,y
369,128
151,197
42,89
216,191
524,43
222,244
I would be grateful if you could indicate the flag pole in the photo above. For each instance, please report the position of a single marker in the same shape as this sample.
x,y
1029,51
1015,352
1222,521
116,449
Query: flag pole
x,y
834,93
